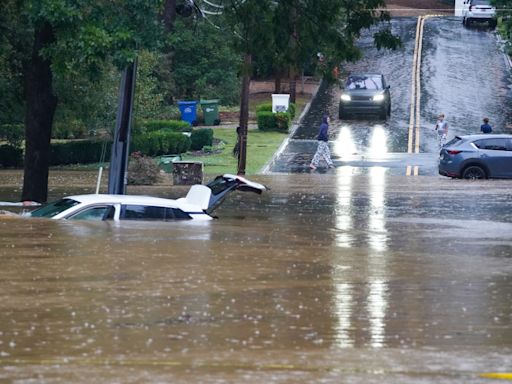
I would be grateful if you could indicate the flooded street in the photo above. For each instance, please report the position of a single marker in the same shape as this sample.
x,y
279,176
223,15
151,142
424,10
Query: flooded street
x,y
350,277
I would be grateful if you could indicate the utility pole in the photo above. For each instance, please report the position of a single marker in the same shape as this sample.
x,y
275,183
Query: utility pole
x,y
120,147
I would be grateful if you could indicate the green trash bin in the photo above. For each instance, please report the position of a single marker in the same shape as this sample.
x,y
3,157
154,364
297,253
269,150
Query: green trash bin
x,y
210,111
166,162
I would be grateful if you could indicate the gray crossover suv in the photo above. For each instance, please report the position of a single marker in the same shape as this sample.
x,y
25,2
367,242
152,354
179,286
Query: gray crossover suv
x,y
477,157
365,93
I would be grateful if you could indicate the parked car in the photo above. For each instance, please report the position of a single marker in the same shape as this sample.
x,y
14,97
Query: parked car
x,y
365,93
198,204
479,11
477,157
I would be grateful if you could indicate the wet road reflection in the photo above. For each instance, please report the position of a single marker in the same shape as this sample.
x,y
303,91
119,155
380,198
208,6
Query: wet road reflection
x,y
364,278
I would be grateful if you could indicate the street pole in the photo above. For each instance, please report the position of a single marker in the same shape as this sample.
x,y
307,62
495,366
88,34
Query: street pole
x,y
120,147
244,114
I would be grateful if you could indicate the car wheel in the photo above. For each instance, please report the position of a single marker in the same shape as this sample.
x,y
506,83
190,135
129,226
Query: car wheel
x,y
474,172
341,113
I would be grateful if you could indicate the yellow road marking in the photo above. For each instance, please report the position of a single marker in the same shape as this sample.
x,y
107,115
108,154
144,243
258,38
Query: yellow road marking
x,y
413,86
408,171
496,375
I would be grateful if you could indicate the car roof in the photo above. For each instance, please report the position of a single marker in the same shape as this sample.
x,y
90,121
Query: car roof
x,y
485,136
122,199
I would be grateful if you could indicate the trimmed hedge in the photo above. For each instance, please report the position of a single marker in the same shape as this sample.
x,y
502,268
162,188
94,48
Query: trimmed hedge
x,y
280,121
78,152
267,107
268,121
200,138
10,156
161,142
157,125
264,107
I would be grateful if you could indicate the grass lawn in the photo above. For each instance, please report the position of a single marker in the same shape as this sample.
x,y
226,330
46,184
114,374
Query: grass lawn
x,y
260,148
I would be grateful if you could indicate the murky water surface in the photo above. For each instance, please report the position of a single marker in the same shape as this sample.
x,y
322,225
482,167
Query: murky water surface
x,y
325,278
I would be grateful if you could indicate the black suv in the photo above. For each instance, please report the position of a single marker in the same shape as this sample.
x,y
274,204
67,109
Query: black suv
x,y
365,93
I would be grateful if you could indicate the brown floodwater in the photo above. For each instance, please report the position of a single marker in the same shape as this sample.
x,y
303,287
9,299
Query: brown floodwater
x,y
327,278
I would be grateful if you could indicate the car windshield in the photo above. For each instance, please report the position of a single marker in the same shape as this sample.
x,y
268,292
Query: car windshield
x,y
364,82
55,208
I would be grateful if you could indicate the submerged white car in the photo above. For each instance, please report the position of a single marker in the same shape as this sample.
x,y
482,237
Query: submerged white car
x,y
198,204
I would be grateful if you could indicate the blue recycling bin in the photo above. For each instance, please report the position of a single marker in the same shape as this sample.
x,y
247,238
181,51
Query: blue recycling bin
x,y
188,111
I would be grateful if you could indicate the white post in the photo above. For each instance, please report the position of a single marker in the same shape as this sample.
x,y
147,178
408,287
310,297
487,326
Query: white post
x,y
99,180
458,7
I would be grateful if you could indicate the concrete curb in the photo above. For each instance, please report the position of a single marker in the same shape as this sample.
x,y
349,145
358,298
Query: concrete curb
x,y
266,169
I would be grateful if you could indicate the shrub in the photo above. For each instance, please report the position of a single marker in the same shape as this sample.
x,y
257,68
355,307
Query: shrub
x,y
291,110
267,107
161,142
78,152
268,121
142,170
157,125
13,134
10,156
72,129
200,138
264,107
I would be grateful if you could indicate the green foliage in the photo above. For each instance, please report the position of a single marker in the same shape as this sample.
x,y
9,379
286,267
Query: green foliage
x,y
201,137
156,125
504,13
264,107
142,170
203,64
13,134
10,156
267,107
72,129
268,121
78,152
161,142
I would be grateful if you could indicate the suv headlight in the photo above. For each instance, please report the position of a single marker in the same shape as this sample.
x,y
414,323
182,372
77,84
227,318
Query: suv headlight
x,y
379,97
345,97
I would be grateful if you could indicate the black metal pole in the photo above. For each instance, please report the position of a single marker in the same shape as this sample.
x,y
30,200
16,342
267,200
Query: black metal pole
x,y
117,179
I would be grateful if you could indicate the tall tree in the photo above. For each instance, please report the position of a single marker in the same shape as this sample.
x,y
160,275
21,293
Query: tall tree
x,y
304,28
66,36
250,23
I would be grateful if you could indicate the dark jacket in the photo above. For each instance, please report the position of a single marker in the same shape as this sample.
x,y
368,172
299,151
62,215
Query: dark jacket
x,y
486,128
323,131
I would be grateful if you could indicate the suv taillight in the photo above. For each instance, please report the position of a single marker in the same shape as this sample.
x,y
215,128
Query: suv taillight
x,y
453,152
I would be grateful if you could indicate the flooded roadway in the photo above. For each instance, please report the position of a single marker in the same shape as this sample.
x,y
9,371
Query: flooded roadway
x,y
356,278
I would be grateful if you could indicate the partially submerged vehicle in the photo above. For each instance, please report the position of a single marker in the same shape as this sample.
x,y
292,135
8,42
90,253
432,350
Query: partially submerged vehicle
x,y
198,204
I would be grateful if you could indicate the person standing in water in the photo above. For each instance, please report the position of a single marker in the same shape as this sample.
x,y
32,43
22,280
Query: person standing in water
x,y
322,150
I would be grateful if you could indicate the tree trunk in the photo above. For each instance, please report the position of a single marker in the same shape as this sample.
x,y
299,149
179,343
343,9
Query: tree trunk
x,y
40,110
244,113
277,83
293,84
